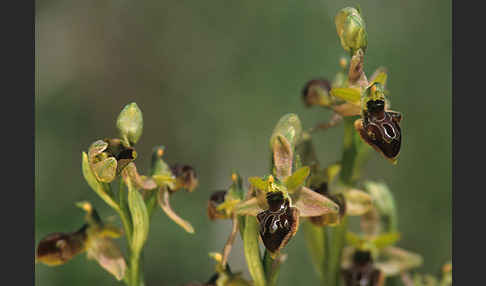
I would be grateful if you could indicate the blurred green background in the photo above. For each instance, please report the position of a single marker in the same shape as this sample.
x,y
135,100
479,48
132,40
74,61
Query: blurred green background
x,y
212,79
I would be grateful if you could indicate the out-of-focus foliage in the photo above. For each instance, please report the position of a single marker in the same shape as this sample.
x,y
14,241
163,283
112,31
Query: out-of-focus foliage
x,y
212,78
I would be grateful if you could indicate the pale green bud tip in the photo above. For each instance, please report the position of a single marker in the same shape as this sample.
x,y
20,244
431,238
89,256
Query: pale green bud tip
x,y
289,127
351,29
130,123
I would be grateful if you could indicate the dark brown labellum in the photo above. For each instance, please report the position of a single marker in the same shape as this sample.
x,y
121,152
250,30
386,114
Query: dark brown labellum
x,y
58,248
186,177
278,223
381,129
123,154
309,94
362,272
215,200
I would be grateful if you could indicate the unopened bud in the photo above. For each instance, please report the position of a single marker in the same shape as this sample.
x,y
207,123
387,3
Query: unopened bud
x,y
351,29
130,123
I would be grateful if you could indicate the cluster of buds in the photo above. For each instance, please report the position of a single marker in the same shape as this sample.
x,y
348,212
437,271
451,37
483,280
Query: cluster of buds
x,y
378,126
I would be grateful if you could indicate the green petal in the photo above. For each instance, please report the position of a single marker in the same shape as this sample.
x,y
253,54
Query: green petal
x,y
386,239
258,183
349,94
98,187
105,170
297,179
250,207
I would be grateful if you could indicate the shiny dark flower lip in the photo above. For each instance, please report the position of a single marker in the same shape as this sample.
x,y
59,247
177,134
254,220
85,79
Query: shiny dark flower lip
x,y
381,129
58,248
278,223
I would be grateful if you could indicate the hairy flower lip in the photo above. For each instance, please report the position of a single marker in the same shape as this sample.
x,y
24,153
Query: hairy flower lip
x,y
279,223
383,134
58,247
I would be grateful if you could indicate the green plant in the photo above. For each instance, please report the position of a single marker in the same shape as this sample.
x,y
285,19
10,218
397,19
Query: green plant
x,y
296,192
109,169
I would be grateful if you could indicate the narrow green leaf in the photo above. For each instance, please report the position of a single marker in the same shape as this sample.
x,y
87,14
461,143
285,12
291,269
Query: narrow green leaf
x,y
252,251
349,94
98,187
140,218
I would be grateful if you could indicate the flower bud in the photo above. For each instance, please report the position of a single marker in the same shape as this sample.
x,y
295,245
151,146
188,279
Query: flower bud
x,y
278,223
130,123
216,199
316,92
351,29
58,248
185,177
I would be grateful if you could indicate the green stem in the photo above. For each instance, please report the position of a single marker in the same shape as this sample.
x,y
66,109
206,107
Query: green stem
x,y
354,156
124,212
252,251
271,267
135,269
336,245
315,240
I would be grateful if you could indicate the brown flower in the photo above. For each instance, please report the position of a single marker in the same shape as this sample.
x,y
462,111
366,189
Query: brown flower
x,y
381,129
278,223
362,272
215,200
58,248
185,177
316,92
